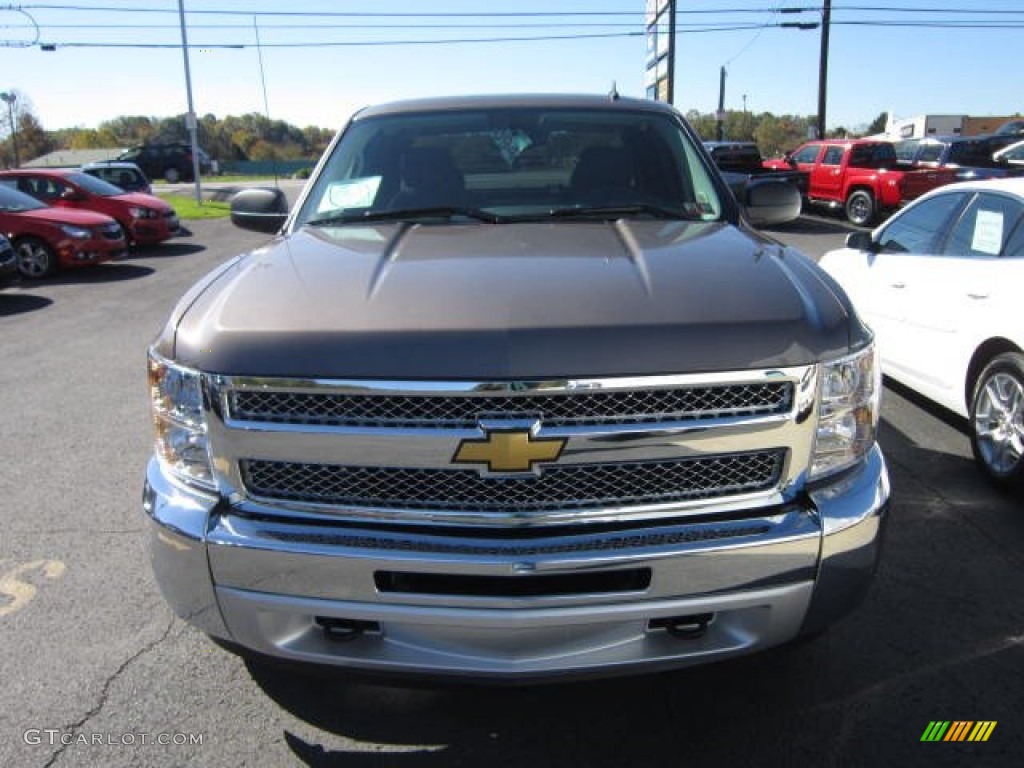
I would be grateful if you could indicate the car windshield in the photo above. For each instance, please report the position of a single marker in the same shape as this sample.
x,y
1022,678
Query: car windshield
x,y
513,164
94,185
13,201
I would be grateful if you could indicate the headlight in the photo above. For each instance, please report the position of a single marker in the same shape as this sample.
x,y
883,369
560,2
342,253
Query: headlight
x,y
176,397
142,213
848,414
79,233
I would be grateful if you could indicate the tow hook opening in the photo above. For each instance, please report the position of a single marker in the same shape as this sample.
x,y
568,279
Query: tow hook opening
x,y
687,627
343,630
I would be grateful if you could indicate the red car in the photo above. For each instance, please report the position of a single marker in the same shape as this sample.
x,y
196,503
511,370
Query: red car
x,y
147,220
46,238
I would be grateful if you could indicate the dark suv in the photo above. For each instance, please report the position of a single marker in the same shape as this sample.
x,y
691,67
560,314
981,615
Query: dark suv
x,y
171,162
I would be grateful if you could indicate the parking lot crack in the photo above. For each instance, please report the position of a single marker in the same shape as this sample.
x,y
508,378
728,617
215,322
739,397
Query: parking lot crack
x,y
76,727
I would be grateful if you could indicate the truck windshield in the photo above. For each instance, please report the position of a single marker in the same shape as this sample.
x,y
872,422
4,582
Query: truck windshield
x,y
513,164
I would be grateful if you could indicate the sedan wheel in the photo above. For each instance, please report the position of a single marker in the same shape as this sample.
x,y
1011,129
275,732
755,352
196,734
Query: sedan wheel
x,y
35,258
997,420
171,175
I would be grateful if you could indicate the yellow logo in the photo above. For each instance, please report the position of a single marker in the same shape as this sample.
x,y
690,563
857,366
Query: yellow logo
x,y
510,451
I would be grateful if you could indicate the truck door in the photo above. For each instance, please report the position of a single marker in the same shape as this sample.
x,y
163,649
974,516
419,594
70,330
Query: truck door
x,y
827,177
805,159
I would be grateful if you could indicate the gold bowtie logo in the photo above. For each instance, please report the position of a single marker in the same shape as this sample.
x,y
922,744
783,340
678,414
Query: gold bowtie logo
x,y
509,451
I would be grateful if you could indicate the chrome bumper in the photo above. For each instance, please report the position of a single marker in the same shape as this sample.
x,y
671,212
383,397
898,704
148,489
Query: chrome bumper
x,y
270,585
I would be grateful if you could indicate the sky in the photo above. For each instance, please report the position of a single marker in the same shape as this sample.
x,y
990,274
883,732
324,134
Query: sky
x,y
114,58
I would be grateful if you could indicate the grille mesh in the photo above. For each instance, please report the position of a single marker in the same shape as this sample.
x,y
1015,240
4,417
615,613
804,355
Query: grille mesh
x,y
555,409
578,486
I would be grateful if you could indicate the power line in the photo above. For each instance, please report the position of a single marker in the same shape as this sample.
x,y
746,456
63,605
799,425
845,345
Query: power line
x,y
360,43
505,14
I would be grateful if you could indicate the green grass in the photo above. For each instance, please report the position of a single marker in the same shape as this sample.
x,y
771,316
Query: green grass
x,y
157,183
188,208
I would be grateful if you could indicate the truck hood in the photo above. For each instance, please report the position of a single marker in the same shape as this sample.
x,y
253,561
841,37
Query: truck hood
x,y
524,301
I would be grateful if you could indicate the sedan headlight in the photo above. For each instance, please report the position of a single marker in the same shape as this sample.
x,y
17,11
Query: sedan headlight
x,y
176,398
79,233
851,388
142,213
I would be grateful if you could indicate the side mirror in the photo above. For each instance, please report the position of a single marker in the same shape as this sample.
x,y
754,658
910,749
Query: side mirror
x,y
861,241
261,209
771,202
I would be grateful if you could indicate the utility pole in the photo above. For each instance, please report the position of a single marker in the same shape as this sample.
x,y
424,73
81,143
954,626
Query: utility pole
x,y
721,104
190,118
826,15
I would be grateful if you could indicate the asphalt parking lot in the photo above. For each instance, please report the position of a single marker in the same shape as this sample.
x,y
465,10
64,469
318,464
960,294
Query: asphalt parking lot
x,y
96,670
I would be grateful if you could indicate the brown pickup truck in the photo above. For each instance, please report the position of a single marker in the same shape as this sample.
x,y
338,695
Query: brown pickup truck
x,y
515,392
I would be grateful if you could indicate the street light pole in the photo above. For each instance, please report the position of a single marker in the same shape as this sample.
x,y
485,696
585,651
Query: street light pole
x,y
9,97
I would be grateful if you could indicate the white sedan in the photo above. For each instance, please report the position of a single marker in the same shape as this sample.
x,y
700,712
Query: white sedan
x,y
942,285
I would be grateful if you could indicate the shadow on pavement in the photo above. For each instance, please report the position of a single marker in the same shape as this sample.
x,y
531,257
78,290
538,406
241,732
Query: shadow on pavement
x,y
110,272
167,250
812,225
20,303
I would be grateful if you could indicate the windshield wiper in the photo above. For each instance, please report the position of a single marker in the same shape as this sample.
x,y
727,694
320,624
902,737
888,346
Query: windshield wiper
x,y
406,214
618,211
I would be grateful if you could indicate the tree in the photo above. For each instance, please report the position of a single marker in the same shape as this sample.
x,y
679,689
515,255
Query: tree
x,y
33,141
878,124
704,125
88,138
779,134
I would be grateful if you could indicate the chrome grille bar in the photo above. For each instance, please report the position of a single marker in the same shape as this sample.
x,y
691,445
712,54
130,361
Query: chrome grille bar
x,y
556,488
557,409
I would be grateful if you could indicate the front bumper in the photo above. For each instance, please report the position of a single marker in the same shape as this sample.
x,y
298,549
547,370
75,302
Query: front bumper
x,y
154,231
521,607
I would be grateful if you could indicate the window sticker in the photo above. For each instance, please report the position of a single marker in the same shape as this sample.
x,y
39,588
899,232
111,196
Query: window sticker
x,y
352,193
988,232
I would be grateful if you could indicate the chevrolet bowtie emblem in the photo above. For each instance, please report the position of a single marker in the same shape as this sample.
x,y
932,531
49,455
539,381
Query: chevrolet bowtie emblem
x,y
509,451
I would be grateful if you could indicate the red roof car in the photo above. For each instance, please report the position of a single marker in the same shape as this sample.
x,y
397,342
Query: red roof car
x,y
46,238
146,219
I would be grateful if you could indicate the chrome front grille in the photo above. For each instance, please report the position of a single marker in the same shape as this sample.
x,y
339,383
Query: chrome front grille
x,y
579,486
560,409
631,448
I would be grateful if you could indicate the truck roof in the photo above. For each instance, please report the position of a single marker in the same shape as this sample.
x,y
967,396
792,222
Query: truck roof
x,y
492,101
